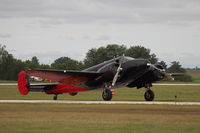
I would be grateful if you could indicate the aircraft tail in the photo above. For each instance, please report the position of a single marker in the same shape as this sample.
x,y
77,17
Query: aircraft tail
x,y
23,83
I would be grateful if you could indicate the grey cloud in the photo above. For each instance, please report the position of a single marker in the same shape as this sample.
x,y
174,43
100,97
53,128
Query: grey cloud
x,y
103,37
87,37
70,38
103,11
151,3
5,35
189,59
36,8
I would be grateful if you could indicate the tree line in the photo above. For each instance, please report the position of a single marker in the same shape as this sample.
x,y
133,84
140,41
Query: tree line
x,y
10,66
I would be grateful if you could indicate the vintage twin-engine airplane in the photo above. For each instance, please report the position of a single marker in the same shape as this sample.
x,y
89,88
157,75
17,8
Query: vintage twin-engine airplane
x,y
120,71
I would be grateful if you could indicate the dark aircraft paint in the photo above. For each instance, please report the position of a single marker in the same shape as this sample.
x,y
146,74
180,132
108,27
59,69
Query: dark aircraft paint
x,y
113,73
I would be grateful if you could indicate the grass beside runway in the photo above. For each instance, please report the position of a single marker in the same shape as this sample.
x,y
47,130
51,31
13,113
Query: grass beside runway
x,y
163,93
75,118
71,118
7,81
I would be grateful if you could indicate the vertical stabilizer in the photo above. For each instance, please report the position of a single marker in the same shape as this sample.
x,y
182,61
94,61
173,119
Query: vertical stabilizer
x,y
23,83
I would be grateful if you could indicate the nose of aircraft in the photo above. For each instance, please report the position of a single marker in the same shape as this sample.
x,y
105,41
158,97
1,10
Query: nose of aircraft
x,y
156,67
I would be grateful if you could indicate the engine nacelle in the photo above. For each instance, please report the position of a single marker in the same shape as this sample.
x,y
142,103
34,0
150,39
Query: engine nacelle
x,y
73,93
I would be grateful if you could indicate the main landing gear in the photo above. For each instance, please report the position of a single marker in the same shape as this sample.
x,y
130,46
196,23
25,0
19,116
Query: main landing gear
x,y
149,94
107,93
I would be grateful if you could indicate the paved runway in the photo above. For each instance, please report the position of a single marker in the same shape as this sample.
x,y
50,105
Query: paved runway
x,y
100,102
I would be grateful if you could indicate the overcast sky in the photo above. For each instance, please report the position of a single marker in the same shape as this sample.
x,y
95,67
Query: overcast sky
x,y
53,28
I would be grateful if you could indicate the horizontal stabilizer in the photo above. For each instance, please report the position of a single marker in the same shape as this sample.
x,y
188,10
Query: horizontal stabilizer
x,y
42,87
63,76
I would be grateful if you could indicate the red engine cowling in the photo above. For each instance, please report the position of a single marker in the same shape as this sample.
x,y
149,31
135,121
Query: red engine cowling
x,y
23,83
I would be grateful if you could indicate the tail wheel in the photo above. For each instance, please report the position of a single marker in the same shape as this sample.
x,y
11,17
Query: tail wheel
x,y
55,97
107,95
149,95
73,93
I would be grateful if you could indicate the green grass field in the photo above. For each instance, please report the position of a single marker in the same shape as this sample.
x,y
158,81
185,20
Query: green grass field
x,y
163,93
7,81
53,118
195,75
81,118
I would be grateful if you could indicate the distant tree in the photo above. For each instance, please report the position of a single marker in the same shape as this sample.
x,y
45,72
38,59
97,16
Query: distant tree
x,y
114,50
32,64
18,66
34,60
141,52
95,56
44,66
66,63
176,68
163,64
9,67
153,58
61,60
6,63
90,58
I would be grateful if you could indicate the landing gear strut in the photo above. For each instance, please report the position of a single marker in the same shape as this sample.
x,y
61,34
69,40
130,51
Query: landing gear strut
x,y
149,94
107,94
55,97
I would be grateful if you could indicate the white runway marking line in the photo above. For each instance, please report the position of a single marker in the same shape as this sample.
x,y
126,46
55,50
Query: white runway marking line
x,y
101,102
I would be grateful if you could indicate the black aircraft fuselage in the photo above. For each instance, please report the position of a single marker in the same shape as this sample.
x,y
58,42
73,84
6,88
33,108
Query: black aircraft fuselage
x,y
117,72
133,73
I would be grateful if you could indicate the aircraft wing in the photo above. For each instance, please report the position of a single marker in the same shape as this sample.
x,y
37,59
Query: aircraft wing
x,y
176,74
64,76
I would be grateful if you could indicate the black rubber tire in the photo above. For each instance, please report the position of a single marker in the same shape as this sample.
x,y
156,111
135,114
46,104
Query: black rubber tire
x,y
55,97
149,95
107,95
73,93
